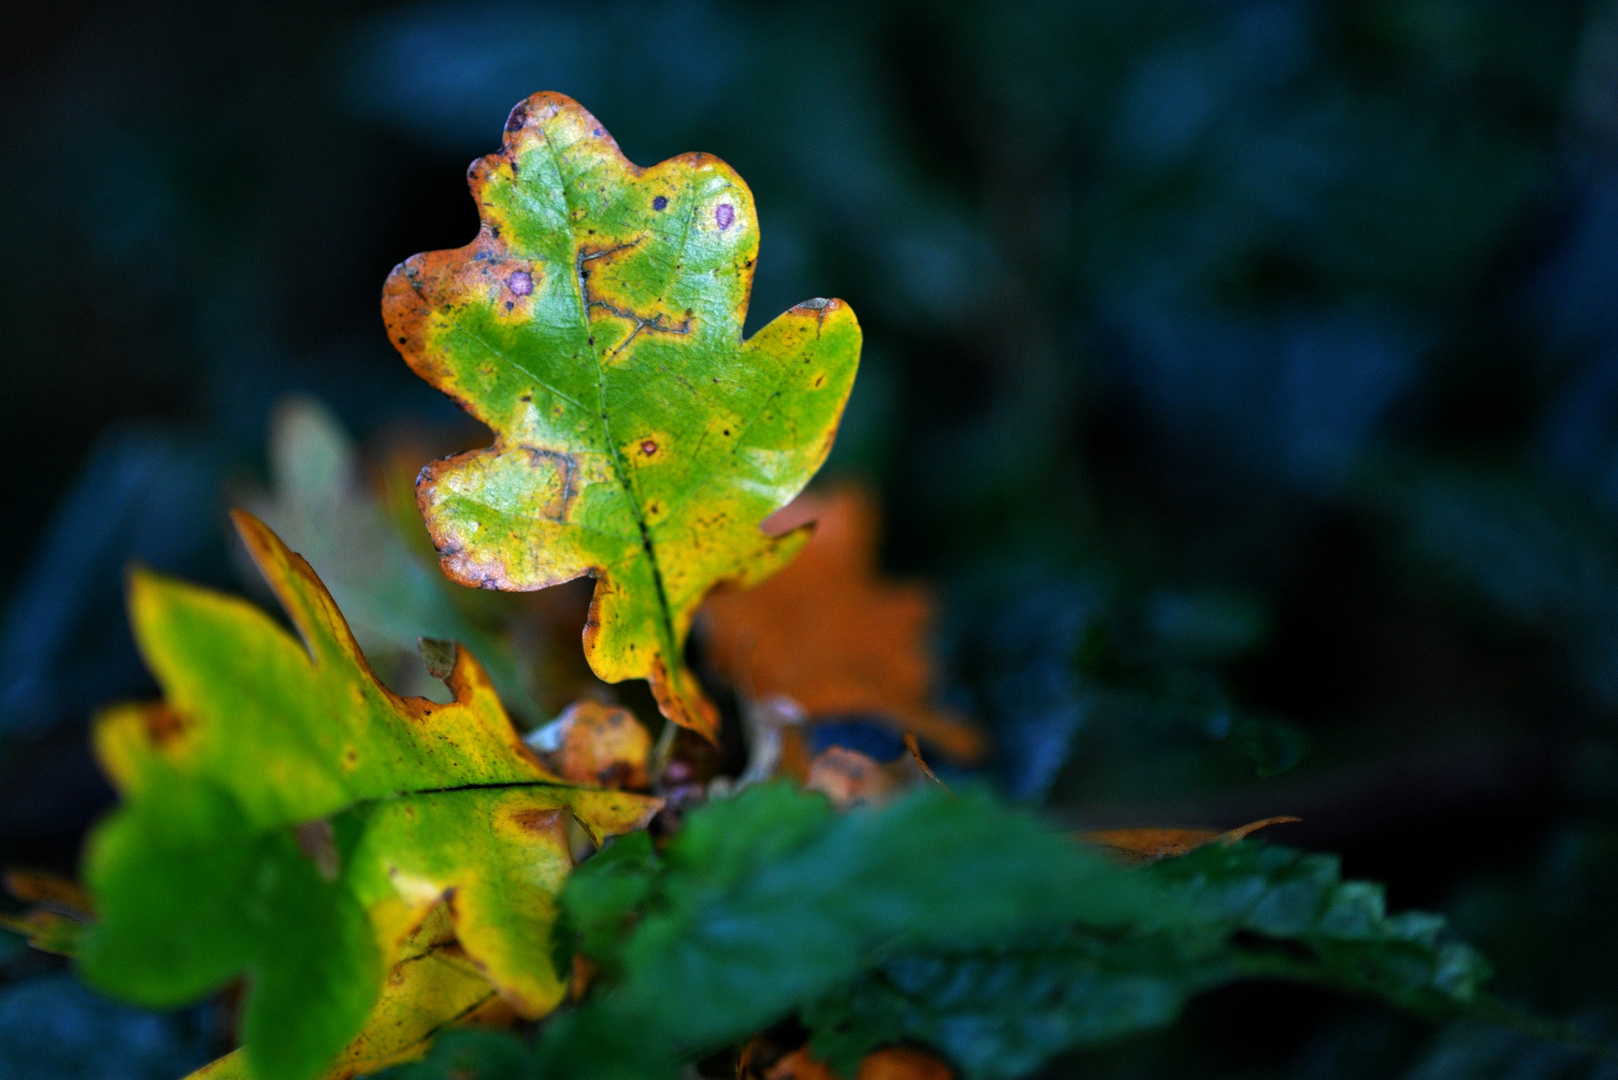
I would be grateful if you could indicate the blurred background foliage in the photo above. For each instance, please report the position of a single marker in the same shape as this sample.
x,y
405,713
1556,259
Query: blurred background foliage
x,y
1244,372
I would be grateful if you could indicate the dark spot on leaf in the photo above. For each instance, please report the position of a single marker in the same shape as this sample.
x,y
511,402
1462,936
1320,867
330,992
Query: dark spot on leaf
x,y
648,447
727,431
403,340
510,305
723,215
659,203
592,340
521,283
518,116
163,724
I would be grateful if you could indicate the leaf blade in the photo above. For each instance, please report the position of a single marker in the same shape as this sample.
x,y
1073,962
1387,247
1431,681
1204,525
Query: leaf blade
x,y
595,326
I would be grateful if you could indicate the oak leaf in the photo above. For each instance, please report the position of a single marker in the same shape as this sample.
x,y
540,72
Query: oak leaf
x,y
834,637
595,324
287,816
434,985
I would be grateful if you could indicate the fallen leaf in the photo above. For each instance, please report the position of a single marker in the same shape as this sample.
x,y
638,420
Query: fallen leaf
x,y
595,324
1147,845
433,986
596,744
286,815
831,635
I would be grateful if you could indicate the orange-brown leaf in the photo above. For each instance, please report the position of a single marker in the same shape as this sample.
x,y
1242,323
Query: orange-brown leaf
x,y
833,636
1147,845
597,745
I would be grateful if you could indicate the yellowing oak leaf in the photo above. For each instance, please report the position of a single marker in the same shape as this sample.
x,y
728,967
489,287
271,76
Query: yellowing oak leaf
x,y
831,635
595,324
287,817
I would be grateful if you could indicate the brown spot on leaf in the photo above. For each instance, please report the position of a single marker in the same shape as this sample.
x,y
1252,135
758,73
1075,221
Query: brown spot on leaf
x,y
163,724
544,822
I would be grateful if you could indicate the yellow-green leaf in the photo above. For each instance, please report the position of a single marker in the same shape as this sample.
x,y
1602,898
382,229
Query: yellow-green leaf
x,y
433,986
595,324
289,818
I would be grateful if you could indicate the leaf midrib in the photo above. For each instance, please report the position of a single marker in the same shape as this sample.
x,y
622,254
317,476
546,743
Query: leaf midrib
x,y
620,467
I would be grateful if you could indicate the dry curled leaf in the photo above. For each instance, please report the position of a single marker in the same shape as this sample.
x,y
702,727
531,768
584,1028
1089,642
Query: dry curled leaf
x,y
1146,845
834,637
596,744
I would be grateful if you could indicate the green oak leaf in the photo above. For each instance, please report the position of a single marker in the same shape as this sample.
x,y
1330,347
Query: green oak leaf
x,y
287,817
595,325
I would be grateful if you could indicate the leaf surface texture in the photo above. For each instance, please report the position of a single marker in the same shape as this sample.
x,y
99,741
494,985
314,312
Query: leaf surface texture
x,y
595,325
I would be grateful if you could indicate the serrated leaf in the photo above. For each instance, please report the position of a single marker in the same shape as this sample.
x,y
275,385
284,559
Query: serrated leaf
x,y
1245,911
955,924
771,899
288,817
595,324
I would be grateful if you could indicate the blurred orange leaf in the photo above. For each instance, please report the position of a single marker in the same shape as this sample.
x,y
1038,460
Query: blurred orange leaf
x,y
831,635
1147,845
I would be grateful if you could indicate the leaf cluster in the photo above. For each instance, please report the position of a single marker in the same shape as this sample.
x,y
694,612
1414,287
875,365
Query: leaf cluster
x,y
958,924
